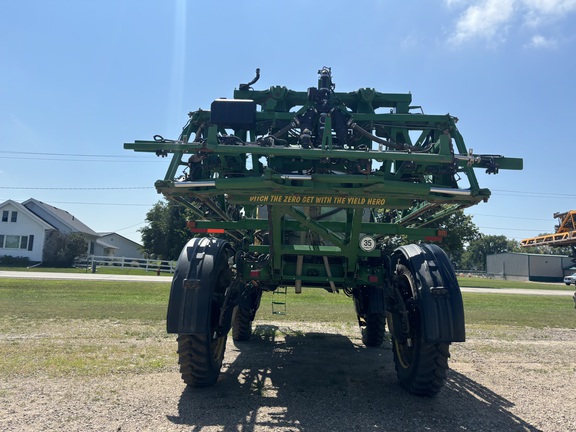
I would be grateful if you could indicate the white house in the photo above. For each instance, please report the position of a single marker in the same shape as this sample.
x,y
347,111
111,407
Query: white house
x,y
23,230
113,244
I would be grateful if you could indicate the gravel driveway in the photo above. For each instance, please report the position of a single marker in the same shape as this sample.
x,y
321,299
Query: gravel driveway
x,y
314,377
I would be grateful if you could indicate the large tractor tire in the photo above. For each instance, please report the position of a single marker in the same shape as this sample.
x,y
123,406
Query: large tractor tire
x,y
421,367
241,324
200,355
373,334
244,313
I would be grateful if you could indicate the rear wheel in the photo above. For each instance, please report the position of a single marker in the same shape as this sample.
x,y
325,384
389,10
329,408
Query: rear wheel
x,y
373,334
200,355
200,359
245,311
421,367
241,324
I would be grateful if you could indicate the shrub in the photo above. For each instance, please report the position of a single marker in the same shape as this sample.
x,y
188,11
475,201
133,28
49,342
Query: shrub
x,y
10,261
60,250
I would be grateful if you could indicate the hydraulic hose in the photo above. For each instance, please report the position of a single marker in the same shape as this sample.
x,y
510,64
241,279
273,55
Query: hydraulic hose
x,y
284,130
387,143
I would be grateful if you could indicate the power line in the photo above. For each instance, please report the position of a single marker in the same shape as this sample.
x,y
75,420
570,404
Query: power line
x,y
103,204
75,188
131,226
66,154
509,217
534,194
140,160
89,157
511,229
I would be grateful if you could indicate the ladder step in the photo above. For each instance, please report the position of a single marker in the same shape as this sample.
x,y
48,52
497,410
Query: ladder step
x,y
279,304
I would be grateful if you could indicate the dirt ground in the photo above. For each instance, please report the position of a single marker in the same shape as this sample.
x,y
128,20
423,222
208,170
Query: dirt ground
x,y
303,377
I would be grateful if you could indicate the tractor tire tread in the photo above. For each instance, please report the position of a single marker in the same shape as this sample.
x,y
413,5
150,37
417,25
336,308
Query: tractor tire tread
x,y
431,373
374,334
193,358
241,324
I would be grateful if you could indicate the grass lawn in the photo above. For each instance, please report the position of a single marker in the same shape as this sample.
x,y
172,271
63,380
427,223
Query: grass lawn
x,y
38,299
96,328
48,299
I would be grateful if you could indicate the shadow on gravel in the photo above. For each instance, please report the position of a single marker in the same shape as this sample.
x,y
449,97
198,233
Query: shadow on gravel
x,y
324,382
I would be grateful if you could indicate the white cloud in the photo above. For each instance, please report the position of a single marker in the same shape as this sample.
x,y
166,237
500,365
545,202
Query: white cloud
x,y
539,41
539,12
410,41
492,19
558,7
451,3
487,19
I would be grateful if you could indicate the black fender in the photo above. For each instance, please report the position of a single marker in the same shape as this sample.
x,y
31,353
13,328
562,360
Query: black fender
x,y
192,285
438,293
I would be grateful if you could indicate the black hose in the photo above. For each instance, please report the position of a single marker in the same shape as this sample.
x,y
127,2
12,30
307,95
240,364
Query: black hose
x,y
391,144
247,86
328,214
284,130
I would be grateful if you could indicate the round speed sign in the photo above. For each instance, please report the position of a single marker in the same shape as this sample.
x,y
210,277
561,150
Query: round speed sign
x,y
367,244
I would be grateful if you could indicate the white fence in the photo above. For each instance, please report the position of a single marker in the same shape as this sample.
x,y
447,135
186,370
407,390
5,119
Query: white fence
x,y
92,262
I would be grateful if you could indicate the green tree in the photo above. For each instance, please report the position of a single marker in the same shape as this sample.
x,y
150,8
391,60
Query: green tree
x,y
475,256
165,233
461,231
60,249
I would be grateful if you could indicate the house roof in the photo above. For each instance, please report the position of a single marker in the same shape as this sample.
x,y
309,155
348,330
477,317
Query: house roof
x,y
106,245
22,209
106,234
58,218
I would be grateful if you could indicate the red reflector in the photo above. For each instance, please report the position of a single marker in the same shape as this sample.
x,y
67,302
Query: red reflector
x,y
372,278
208,230
433,239
254,273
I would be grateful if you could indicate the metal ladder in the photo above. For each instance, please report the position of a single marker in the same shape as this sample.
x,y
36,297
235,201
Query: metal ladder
x,y
279,302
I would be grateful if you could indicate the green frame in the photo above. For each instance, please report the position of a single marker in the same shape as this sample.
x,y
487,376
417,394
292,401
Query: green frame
x,y
394,173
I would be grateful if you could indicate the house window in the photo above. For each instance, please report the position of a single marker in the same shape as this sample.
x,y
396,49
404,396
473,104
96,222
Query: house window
x,y
14,216
14,242
5,216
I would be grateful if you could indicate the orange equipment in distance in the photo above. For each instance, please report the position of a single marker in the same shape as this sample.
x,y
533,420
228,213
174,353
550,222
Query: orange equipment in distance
x,y
565,234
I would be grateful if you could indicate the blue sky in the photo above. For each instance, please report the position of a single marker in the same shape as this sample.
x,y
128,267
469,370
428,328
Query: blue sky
x,y
78,79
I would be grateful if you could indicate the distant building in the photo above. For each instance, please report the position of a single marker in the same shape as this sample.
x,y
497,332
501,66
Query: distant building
x,y
530,267
25,226
22,232
113,244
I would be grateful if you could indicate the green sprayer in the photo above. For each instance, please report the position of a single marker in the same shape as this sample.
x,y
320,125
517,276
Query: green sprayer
x,y
312,189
